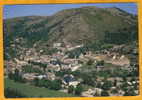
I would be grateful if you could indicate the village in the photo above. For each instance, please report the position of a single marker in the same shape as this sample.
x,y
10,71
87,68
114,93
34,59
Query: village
x,y
103,73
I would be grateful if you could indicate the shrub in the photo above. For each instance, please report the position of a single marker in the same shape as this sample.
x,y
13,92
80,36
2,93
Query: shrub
x,y
104,93
78,89
13,93
16,76
71,89
107,85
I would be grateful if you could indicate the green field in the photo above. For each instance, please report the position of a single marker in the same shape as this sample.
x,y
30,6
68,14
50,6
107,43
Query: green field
x,y
32,91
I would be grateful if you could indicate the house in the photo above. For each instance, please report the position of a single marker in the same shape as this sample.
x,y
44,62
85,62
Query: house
x,y
118,93
57,55
66,66
74,83
74,68
20,63
41,76
50,76
45,58
74,47
97,91
68,78
70,61
99,67
29,76
56,45
81,55
88,93
92,92
53,67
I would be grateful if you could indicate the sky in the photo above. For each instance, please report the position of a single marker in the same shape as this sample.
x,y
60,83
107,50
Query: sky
x,y
11,11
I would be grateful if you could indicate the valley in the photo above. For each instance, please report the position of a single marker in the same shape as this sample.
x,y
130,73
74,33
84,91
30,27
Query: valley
x,y
79,52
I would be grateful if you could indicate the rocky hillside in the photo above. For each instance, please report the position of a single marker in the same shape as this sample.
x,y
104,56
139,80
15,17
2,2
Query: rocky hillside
x,y
76,26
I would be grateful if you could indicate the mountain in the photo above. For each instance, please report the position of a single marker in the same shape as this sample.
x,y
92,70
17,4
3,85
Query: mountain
x,y
84,25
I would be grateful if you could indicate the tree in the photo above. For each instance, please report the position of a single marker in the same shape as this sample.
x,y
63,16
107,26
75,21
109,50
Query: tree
x,y
88,79
44,67
16,76
104,93
90,62
107,85
55,85
99,85
100,63
36,82
78,89
11,75
115,82
31,69
13,93
106,46
130,92
114,91
71,89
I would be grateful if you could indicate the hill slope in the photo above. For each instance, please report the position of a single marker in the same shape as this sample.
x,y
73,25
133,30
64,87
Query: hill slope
x,y
76,26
